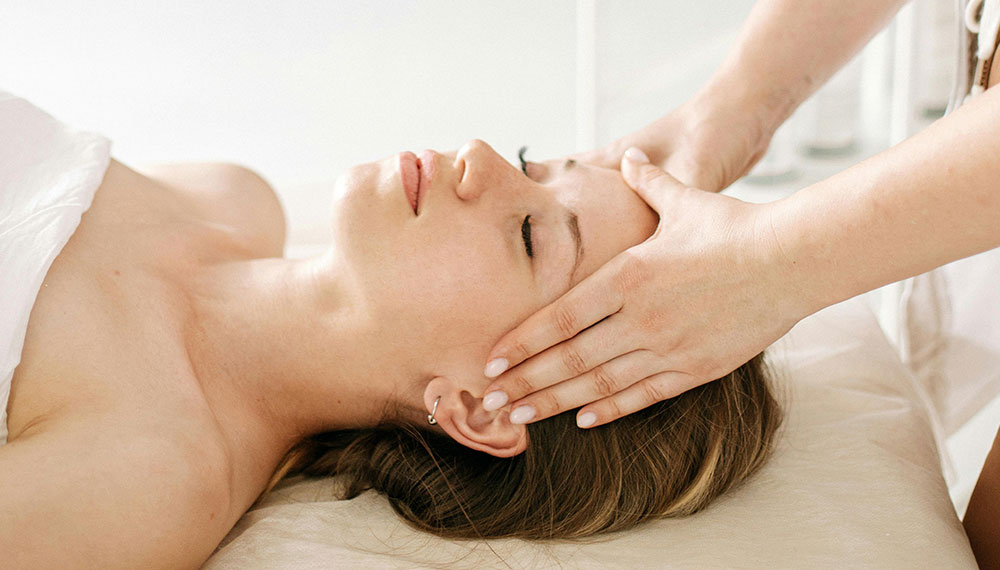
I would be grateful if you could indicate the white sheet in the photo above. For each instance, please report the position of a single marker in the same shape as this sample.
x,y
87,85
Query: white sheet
x,y
49,173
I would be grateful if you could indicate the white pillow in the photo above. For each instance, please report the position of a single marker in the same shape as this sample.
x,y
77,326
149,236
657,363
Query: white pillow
x,y
854,483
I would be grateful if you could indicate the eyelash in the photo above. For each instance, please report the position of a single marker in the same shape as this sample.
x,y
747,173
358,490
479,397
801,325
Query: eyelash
x,y
520,157
526,236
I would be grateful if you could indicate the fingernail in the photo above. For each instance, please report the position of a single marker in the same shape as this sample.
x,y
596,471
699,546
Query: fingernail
x,y
586,419
636,155
495,367
494,401
522,415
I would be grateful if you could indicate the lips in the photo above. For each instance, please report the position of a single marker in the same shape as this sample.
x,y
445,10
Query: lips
x,y
417,175
409,173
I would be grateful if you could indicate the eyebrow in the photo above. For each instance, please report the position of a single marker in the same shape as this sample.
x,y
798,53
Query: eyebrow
x,y
573,223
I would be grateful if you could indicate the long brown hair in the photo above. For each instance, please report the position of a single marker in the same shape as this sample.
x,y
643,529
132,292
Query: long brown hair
x,y
671,459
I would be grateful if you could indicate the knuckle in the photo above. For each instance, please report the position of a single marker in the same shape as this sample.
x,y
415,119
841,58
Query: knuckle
x,y
546,404
574,361
605,383
654,391
518,350
612,410
632,273
565,320
520,386
649,175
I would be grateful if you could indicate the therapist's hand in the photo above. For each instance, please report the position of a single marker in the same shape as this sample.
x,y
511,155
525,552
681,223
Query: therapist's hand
x,y
704,143
703,295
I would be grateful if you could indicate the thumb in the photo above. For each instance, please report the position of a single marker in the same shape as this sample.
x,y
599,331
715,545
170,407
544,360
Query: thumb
x,y
651,182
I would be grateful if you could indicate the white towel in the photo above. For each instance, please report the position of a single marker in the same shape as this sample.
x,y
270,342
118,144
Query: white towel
x,y
49,173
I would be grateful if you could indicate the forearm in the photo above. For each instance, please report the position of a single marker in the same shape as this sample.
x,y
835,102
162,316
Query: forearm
x,y
789,48
930,200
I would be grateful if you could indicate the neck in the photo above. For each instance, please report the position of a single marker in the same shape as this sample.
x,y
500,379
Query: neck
x,y
281,353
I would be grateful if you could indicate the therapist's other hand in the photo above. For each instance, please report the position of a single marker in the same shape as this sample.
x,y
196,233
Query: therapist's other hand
x,y
702,144
704,294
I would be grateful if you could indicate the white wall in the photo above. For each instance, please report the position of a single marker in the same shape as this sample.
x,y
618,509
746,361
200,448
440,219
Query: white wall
x,y
301,89
298,89
652,56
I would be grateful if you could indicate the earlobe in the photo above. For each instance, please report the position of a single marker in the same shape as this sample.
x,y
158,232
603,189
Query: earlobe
x,y
461,415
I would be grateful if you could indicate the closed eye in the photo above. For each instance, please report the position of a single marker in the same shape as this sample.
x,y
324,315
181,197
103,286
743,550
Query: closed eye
x,y
524,163
526,236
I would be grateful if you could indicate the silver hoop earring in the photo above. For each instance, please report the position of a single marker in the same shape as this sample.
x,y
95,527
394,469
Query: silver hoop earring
x,y
430,416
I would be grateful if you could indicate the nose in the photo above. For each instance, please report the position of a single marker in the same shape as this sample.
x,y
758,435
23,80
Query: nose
x,y
482,169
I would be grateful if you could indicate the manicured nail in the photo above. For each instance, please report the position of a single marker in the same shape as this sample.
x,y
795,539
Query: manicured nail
x,y
636,155
522,415
494,401
586,419
495,367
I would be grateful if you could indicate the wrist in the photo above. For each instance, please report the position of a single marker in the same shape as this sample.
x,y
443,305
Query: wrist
x,y
754,108
801,288
730,126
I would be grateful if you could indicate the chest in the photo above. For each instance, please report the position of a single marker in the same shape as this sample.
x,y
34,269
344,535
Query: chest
x,y
104,340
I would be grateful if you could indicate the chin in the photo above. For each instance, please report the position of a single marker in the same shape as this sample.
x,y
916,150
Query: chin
x,y
354,181
355,195
368,219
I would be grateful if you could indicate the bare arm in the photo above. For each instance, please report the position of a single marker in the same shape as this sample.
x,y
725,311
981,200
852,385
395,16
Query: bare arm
x,y
932,199
83,499
786,50
789,48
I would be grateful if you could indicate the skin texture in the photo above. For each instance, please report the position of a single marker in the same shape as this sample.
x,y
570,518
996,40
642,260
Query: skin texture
x,y
173,358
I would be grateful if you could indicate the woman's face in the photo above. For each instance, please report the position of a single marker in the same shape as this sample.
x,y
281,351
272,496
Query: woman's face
x,y
487,246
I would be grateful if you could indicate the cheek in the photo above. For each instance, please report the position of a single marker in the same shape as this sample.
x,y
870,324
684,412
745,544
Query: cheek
x,y
453,294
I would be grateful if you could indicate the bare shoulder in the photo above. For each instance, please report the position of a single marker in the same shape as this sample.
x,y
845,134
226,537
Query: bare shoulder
x,y
109,498
229,194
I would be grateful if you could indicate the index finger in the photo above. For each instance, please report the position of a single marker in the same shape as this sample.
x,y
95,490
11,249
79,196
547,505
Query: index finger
x,y
588,302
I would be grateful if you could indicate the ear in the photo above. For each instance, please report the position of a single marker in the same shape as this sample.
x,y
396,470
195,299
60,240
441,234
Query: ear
x,y
461,415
